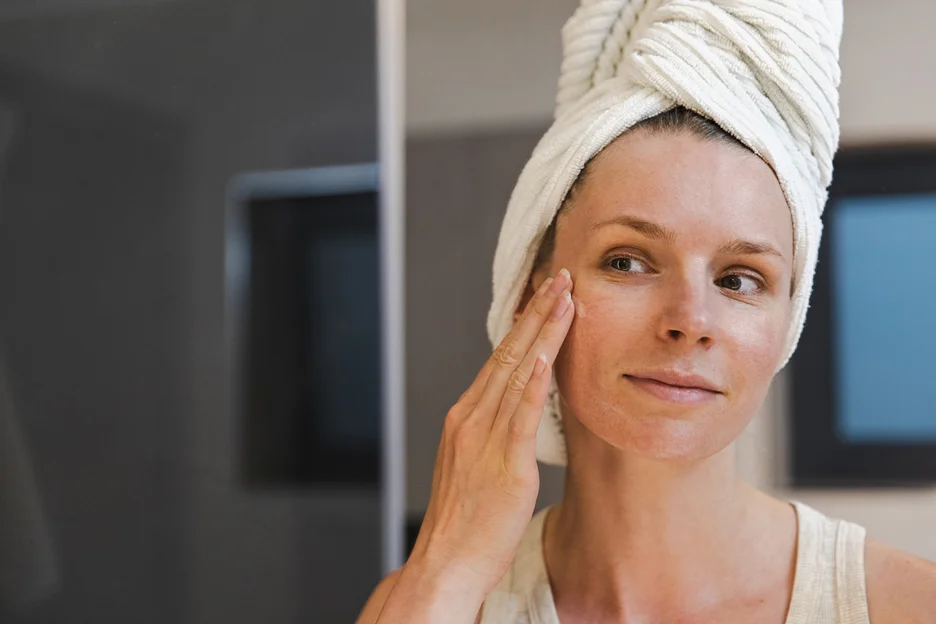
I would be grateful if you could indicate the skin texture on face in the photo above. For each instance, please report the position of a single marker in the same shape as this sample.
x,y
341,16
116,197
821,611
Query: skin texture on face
x,y
681,251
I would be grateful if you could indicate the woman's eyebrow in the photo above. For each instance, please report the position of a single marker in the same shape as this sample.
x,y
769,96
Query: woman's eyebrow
x,y
655,231
738,247
647,228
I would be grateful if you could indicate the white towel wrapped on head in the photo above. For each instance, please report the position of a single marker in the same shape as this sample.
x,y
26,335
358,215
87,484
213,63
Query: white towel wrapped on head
x,y
766,71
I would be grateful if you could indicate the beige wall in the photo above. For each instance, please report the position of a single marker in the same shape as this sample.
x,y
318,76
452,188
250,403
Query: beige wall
x,y
490,63
482,64
489,66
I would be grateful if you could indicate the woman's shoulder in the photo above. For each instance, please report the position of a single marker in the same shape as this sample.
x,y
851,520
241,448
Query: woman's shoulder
x,y
901,587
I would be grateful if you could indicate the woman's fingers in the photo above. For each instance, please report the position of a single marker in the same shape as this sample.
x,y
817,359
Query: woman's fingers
x,y
513,350
476,390
520,447
480,504
547,345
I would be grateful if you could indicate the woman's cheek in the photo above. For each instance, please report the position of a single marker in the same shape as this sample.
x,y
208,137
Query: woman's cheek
x,y
603,322
613,307
756,342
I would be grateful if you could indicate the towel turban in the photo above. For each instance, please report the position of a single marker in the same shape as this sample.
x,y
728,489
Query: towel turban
x,y
766,71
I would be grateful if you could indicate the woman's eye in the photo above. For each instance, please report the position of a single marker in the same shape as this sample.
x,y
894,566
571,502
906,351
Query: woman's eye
x,y
628,265
740,283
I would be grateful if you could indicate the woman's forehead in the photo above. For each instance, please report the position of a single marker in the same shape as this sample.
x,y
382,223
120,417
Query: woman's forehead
x,y
681,185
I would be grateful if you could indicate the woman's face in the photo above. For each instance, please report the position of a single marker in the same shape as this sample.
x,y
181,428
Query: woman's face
x,y
681,251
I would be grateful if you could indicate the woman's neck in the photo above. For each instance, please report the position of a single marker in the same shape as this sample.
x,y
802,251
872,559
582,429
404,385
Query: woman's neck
x,y
636,538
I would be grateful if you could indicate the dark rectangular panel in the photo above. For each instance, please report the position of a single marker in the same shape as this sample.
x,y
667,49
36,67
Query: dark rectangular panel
x,y
863,415
312,357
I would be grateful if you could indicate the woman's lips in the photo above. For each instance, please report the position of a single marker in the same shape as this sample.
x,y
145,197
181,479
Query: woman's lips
x,y
680,395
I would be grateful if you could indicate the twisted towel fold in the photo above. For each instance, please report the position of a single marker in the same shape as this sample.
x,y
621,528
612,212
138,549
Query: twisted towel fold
x,y
766,71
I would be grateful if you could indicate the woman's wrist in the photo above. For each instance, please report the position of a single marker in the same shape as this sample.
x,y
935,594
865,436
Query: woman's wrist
x,y
429,593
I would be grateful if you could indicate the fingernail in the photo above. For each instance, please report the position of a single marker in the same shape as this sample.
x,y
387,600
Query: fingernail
x,y
562,305
562,278
540,366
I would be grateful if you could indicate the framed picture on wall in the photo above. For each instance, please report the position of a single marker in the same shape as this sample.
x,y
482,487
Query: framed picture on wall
x,y
864,375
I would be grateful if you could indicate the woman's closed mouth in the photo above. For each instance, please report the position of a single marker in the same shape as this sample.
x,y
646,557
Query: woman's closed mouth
x,y
676,386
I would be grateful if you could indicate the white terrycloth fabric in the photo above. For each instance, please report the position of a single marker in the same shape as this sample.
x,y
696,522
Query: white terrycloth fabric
x,y
766,71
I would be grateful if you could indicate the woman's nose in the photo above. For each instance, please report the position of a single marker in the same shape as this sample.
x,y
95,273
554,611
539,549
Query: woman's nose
x,y
687,314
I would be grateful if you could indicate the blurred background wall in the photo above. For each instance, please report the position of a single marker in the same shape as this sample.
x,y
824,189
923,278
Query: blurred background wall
x,y
481,83
131,117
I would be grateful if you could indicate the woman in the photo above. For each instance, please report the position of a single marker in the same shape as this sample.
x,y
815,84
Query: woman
x,y
679,189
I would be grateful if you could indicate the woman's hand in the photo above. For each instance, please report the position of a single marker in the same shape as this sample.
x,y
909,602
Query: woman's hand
x,y
486,479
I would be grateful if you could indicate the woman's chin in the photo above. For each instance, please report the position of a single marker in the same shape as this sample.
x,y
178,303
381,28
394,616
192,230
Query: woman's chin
x,y
665,439
665,432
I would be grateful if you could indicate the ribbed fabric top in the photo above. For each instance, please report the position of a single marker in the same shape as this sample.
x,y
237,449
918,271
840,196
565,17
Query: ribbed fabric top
x,y
828,587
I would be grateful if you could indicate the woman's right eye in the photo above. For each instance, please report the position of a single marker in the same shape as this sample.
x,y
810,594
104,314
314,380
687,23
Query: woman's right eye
x,y
627,264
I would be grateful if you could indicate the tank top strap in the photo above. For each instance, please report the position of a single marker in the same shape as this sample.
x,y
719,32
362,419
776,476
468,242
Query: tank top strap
x,y
829,585
850,574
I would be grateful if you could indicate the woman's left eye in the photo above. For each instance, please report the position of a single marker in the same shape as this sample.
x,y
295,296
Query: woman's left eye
x,y
740,283
626,264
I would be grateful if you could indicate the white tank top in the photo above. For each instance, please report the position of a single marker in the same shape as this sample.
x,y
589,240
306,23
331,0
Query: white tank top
x,y
828,586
